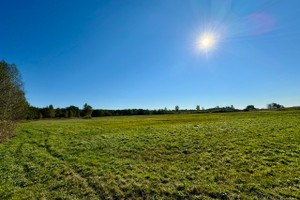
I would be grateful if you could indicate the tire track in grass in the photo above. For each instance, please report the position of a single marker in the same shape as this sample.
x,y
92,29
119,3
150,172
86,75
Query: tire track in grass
x,y
87,182
76,175
24,164
92,194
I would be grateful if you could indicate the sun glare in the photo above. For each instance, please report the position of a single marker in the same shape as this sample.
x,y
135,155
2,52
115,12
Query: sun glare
x,y
206,42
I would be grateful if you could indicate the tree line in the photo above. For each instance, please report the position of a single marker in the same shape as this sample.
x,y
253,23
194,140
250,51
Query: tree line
x,y
88,112
50,112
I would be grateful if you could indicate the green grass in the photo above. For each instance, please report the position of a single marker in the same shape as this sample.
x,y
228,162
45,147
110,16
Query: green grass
x,y
254,155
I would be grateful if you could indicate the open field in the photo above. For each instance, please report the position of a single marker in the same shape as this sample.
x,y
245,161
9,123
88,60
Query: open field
x,y
252,155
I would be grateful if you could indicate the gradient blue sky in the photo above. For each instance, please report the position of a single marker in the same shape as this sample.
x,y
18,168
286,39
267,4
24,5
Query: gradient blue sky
x,y
143,54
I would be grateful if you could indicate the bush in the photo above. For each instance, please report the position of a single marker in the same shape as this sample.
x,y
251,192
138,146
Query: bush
x,y
6,130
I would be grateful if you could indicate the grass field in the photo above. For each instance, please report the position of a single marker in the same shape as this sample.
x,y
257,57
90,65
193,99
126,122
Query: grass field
x,y
254,155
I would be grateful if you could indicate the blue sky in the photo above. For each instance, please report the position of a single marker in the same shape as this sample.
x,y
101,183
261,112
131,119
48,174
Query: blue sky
x,y
145,54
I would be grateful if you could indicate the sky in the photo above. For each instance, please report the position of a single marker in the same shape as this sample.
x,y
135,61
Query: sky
x,y
146,54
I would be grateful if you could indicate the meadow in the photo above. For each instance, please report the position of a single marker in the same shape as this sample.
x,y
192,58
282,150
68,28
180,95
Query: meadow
x,y
245,155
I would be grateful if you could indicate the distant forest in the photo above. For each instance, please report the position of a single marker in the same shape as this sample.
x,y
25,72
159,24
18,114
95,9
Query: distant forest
x,y
73,111
88,112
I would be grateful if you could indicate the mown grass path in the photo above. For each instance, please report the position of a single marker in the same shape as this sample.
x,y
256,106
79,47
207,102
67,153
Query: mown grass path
x,y
253,155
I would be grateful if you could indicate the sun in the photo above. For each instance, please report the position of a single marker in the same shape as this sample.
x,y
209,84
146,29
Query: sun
x,y
206,42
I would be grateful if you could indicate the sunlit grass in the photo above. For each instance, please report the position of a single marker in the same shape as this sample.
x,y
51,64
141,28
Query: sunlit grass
x,y
200,156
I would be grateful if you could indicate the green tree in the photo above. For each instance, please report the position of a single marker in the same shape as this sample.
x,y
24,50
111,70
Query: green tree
x,y
177,108
274,106
71,114
32,113
87,110
51,111
12,99
66,114
12,95
198,108
74,111
250,107
77,113
58,112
